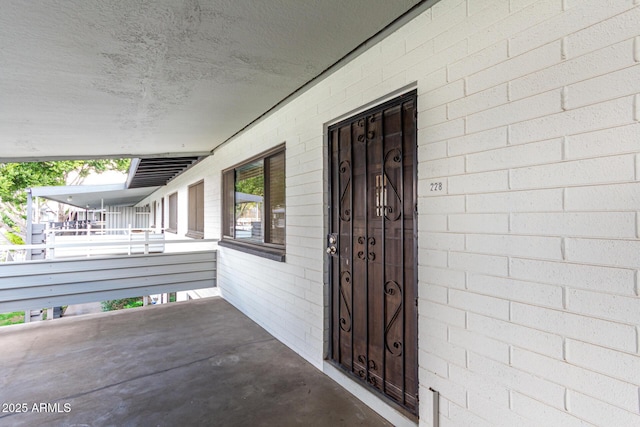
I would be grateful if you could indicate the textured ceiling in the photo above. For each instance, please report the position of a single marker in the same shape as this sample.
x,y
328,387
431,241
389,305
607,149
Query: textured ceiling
x,y
95,78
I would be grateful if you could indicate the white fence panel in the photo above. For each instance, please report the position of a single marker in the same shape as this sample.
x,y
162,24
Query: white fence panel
x,y
51,283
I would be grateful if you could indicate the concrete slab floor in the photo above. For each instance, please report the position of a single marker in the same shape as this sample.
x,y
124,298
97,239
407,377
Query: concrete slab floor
x,y
196,363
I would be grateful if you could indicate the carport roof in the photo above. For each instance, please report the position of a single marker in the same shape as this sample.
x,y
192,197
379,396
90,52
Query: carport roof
x,y
93,196
145,176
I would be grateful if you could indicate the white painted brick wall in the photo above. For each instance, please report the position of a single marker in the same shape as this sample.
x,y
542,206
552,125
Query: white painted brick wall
x,y
524,14
597,412
516,335
479,182
578,69
580,276
516,380
480,304
516,290
623,366
478,263
486,140
479,223
478,102
514,67
578,15
617,112
619,253
493,349
496,414
529,255
589,329
604,33
623,197
498,393
517,201
588,224
542,414
516,111
618,393
617,140
516,156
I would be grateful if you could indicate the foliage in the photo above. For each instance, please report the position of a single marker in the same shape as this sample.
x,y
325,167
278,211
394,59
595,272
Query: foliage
x,y
120,304
8,221
16,177
14,238
12,318
253,185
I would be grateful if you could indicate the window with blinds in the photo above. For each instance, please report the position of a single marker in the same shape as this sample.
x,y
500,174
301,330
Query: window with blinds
x,y
253,205
173,213
195,227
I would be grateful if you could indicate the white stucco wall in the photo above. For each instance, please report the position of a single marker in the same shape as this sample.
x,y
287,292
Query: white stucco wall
x,y
528,257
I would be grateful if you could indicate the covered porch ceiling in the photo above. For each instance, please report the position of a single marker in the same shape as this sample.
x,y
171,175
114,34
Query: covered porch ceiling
x,y
93,79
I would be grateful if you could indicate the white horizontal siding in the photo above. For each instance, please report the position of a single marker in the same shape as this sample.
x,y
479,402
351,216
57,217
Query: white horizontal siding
x,y
52,283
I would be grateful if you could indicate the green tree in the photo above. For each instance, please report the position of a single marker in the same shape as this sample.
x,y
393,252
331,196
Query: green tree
x,y
15,178
253,185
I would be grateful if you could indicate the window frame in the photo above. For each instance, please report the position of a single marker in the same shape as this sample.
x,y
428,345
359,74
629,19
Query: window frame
x,y
173,208
197,210
267,250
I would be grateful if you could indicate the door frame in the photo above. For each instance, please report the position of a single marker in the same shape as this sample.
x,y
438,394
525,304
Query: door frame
x,y
381,103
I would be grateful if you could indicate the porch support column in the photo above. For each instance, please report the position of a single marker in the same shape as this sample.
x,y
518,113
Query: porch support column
x,y
28,237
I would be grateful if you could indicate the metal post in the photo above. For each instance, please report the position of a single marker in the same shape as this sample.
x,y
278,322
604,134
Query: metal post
x,y
51,252
37,211
103,217
88,238
436,407
29,238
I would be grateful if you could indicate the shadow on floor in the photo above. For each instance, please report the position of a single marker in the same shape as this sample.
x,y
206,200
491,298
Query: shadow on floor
x,y
197,363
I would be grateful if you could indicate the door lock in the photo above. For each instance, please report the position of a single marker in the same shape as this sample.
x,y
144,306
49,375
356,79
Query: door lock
x,y
332,248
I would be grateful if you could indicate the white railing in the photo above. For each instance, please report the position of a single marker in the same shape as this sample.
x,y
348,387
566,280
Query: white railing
x,y
115,241
9,255
110,264
106,242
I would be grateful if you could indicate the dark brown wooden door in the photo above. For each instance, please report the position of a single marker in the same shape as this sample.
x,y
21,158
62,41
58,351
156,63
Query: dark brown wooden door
x,y
372,247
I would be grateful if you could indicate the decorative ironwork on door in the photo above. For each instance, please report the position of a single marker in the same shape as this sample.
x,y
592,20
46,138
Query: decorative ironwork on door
x,y
372,249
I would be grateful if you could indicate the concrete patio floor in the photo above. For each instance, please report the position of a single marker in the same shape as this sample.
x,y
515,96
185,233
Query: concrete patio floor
x,y
194,363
